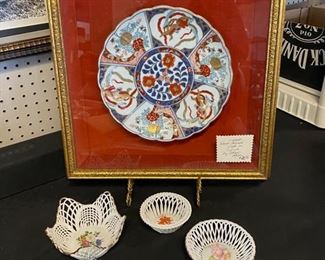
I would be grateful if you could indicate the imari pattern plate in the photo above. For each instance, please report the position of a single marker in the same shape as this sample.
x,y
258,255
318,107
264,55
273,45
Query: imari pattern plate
x,y
165,73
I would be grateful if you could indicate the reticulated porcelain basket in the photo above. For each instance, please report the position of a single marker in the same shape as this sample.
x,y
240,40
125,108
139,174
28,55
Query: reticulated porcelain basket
x,y
86,231
165,212
218,239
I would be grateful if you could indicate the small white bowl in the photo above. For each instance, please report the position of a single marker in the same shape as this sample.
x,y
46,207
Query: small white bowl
x,y
86,232
165,212
219,239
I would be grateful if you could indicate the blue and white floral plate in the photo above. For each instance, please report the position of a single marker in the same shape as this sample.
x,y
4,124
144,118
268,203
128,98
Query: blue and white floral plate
x,y
165,73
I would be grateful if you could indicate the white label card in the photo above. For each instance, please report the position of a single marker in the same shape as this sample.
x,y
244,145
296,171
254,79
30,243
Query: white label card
x,y
234,148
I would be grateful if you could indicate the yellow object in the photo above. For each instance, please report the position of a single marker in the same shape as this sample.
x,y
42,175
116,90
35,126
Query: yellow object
x,y
126,38
153,128
215,63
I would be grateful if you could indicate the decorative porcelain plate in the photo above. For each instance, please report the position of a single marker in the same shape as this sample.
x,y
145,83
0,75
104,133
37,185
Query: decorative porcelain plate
x,y
165,73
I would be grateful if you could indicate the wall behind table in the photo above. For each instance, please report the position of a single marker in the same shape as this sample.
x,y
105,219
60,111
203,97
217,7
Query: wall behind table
x,y
30,141
28,99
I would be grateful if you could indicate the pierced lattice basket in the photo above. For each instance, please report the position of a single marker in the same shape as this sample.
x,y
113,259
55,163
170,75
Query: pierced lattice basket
x,y
86,231
219,239
165,212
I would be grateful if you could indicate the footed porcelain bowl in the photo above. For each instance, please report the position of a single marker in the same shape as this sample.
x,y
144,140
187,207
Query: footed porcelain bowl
x,y
86,232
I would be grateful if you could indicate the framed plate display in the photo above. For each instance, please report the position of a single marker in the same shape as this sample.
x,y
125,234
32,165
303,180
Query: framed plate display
x,y
23,25
167,89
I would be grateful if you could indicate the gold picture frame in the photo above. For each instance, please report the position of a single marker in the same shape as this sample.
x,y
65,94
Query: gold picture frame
x,y
268,107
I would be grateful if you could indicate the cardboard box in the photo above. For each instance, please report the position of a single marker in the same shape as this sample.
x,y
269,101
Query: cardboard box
x,y
314,15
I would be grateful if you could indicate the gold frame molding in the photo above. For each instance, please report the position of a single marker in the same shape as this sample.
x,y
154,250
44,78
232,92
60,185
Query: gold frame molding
x,y
267,129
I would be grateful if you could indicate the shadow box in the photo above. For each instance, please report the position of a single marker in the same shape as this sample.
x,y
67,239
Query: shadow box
x,y
167,89
24,28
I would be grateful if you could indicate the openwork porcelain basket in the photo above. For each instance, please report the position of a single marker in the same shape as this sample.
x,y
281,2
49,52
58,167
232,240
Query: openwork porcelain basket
x,y
86,231
217,239
165,212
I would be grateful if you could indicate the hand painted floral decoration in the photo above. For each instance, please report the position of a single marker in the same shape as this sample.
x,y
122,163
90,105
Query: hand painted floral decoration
x,y
165,220
148,81
168,60
90,239
219,253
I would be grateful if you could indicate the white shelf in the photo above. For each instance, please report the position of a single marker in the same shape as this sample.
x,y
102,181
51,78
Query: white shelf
x,y
302,102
